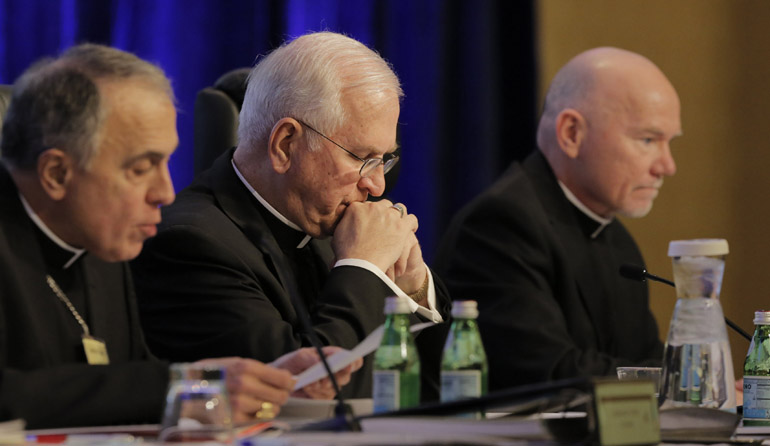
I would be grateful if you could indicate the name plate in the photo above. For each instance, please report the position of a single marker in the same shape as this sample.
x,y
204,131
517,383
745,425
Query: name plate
x,y
626,412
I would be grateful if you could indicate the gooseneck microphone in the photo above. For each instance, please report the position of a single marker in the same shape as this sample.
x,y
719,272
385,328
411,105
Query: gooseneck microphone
x,y
345,421
636,272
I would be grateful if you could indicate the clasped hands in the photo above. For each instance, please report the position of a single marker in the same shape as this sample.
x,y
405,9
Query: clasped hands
x,y
383,234
252,386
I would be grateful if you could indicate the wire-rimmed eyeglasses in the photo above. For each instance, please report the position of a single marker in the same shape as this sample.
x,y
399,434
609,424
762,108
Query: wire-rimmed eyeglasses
x,y
368,165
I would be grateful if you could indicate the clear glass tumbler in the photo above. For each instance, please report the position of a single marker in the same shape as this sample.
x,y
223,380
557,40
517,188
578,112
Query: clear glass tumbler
x,y
197,407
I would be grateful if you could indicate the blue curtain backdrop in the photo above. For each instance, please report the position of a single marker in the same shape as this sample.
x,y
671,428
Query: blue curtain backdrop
x,y
467,68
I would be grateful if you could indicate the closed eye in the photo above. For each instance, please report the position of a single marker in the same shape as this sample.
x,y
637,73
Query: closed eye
x,y
142,167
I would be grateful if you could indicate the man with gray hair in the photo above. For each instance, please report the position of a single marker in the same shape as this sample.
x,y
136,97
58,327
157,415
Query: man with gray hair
x,y
85,149
282,222
541,248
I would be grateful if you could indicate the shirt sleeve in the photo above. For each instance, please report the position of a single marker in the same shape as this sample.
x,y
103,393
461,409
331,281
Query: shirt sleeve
x,y
430,313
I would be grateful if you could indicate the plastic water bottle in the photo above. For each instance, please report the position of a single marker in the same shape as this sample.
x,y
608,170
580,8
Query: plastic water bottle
x,y
396,363
697,364
756,374
464,362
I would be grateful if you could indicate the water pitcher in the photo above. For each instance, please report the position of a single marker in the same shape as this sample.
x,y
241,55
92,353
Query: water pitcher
x,y
697,365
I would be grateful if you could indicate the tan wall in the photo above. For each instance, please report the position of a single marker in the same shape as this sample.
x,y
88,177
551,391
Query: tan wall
x,y
717,55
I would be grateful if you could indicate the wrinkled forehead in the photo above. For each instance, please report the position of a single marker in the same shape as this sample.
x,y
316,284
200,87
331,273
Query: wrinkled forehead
x,y
634,95
115,92
138,117
366,104
371,122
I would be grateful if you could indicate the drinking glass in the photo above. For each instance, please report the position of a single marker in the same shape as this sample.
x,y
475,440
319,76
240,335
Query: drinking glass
x,y
197,407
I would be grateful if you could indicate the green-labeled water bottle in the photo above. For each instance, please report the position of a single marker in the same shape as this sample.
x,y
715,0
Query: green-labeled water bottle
x,y
756,374
396,363
464,363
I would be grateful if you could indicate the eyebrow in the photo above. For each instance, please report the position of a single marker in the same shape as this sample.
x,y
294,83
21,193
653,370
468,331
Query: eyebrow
x,y
373,150
657,132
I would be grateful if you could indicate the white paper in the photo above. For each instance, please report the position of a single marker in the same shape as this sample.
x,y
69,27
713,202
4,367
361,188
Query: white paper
x,y
342,358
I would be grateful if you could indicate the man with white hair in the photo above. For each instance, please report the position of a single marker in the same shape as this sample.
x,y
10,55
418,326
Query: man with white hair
x,y
281,221
541,248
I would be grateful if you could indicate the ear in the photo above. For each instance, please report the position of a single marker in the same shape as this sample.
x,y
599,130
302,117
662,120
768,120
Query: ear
x,y
571,129
283,143
54,171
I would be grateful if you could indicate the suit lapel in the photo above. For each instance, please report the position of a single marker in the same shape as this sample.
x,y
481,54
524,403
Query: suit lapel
x,y
324,254
99,285
587,270
585,266
36,299
240,206
39,300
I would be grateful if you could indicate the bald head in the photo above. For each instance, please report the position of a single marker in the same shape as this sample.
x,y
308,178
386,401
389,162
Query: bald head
x,y
596,83
608,117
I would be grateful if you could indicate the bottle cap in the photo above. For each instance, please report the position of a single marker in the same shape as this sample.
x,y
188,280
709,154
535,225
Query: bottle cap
x,y
465,309
396,305
762,317
698,247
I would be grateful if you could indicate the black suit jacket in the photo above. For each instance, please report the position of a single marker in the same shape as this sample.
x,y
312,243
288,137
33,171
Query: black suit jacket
x,y
43,375
552,304
214,282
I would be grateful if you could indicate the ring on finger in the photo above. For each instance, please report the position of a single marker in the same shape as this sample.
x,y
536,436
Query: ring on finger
x,y
400,208
266,411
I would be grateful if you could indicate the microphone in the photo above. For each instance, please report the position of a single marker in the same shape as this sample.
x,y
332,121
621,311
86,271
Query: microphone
x,y
566,392
343,413
636,272
500,398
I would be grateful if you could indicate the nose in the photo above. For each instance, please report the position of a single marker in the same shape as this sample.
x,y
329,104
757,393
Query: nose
x,y
161,192
374,184
664,165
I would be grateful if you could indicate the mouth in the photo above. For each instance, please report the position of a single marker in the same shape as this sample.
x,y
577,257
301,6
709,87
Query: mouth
x,y
647,192
651,186
148,229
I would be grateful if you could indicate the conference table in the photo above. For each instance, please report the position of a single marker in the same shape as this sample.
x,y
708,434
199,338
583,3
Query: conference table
x,y
495,429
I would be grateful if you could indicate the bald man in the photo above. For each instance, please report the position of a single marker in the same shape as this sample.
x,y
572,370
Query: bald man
x,y
540,249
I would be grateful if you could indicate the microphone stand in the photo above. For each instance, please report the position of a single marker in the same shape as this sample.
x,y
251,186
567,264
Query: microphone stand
x,y
500,398
343,414
344,419
636,272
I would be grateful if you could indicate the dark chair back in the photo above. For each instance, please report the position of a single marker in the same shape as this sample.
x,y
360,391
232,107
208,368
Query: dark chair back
x,y
5,99
216,117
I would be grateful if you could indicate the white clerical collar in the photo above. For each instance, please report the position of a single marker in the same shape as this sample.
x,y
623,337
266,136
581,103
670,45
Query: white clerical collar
x,y
54,238
603,222
267,206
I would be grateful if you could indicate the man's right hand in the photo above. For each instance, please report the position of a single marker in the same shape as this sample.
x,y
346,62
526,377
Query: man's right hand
x,y
298,361
251,383
375,232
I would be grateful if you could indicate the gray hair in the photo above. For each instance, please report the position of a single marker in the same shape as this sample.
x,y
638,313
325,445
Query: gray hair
x,y
57,103
571,88
307,79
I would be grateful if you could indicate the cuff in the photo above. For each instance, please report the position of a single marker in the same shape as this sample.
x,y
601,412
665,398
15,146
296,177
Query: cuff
x,y
430,313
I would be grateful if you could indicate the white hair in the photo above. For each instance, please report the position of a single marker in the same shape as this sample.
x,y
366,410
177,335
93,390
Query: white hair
x,y
307,78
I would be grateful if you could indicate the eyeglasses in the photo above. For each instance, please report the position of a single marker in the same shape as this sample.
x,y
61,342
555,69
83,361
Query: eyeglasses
x,y
370,164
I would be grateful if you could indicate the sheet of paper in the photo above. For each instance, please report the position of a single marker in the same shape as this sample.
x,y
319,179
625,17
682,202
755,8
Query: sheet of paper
x,y
342,358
